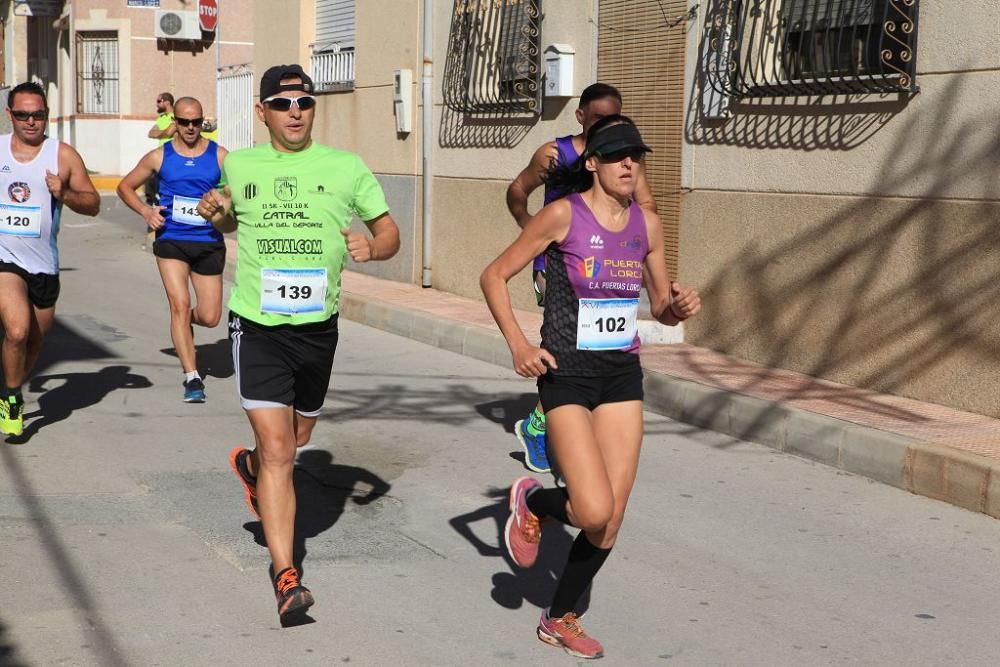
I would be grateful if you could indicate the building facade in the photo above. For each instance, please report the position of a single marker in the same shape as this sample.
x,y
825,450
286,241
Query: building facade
x,y
103,63
827,171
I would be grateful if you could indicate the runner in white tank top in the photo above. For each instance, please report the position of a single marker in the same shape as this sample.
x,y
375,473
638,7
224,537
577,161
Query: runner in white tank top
x,y
37,176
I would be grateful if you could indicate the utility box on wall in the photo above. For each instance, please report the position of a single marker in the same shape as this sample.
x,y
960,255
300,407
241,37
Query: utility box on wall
x,y
402,100
559,70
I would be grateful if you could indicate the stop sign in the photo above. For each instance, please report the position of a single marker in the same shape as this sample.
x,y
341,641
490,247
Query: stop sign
x,y
208,14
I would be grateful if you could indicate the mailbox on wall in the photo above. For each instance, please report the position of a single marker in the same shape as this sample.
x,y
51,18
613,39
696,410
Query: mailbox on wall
x,y
559,70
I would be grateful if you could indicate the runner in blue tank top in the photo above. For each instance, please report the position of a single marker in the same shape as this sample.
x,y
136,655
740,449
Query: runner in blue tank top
x,y
596,101
188,249
598,243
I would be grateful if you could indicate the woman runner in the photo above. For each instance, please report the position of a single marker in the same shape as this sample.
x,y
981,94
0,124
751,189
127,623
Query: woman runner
x,y
598,244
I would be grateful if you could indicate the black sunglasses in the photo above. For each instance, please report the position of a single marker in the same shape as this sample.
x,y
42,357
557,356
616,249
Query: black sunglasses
x,y
617,156
185,122
25,115
304,103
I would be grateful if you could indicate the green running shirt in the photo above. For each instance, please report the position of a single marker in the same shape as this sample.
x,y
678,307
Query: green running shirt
x,y
290,208
163,121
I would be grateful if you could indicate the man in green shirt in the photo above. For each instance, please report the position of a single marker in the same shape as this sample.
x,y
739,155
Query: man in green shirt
x,y
163,129
292,201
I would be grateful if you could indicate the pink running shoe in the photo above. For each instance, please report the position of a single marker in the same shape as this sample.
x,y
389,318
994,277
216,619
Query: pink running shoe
x,y
523,530
566,633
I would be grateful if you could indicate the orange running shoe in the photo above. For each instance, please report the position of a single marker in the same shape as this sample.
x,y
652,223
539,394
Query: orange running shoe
x,y
523,531
566,633
293,598
238,462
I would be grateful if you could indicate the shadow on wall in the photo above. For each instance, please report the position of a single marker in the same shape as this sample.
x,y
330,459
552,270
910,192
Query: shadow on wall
x,y
483,130
893,294
833,122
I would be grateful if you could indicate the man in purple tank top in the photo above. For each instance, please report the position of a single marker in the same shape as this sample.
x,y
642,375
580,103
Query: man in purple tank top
x,y
597,101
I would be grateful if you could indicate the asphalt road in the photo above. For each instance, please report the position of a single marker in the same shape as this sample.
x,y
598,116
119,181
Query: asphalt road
x,y
124,539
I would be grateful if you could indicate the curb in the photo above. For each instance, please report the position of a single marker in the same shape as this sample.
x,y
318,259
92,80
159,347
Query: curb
x,y
106,184
932,470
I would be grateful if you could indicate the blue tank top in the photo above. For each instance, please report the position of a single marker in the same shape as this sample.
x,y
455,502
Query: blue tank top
x,y
183,180
592,294
566,155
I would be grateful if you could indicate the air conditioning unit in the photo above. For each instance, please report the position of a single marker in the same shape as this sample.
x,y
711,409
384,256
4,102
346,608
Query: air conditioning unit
x,y
176,25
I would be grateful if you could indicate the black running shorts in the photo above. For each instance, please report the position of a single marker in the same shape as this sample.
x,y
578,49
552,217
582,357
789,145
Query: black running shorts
x,y
283,365
43,288
590,392
204,258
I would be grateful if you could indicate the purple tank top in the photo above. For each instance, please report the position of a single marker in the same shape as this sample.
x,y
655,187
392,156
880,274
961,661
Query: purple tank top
x,y
567,155
591,298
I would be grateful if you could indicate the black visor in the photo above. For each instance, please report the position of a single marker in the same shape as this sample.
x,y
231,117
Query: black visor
x,y
616,139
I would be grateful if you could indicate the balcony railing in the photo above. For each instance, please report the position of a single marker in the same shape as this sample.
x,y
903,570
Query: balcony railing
x,y
332,70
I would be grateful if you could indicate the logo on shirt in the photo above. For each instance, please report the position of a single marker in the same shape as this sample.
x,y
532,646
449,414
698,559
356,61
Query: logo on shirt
x,y
19,192
589,268
634,244
286,188
320,190
249,191
190,163
596,242
5,169
290,246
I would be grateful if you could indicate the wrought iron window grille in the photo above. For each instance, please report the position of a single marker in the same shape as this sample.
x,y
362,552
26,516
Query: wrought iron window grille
x,y
494,57
97,72
775,48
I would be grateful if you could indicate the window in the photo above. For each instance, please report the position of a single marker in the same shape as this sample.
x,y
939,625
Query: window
x,y
331,63
97,72
757,48
494,55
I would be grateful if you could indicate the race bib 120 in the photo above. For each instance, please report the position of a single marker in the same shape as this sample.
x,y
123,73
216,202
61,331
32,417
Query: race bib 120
x,y
21,219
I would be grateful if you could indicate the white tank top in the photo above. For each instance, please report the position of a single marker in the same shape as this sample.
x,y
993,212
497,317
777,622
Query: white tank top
x,y
29,214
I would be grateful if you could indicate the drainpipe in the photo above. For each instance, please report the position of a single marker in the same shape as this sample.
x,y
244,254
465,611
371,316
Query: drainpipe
x,y
426,138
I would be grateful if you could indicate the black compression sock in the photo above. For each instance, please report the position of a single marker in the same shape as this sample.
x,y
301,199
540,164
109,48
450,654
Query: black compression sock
x,y
584,561
549,502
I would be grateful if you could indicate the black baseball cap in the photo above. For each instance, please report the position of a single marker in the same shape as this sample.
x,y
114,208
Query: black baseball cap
x,y
616,138
270,83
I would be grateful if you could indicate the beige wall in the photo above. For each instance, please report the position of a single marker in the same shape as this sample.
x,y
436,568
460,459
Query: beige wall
x,y
855,239
891,294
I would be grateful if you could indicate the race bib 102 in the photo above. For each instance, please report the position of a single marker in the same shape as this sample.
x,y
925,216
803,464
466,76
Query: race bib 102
x,y
606,324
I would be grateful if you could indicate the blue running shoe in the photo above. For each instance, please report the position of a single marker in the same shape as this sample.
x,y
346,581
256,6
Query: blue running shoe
x,y
194,391
534,448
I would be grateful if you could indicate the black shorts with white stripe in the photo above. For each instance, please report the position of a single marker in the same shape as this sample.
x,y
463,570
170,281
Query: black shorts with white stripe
x,y
283,365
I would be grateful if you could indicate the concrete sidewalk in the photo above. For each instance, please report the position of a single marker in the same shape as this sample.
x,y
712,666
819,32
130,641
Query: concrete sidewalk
x,y
927,449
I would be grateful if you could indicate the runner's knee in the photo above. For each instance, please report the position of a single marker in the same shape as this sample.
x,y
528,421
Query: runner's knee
x,y
210,320
275,452
15,334
593,514
180,309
